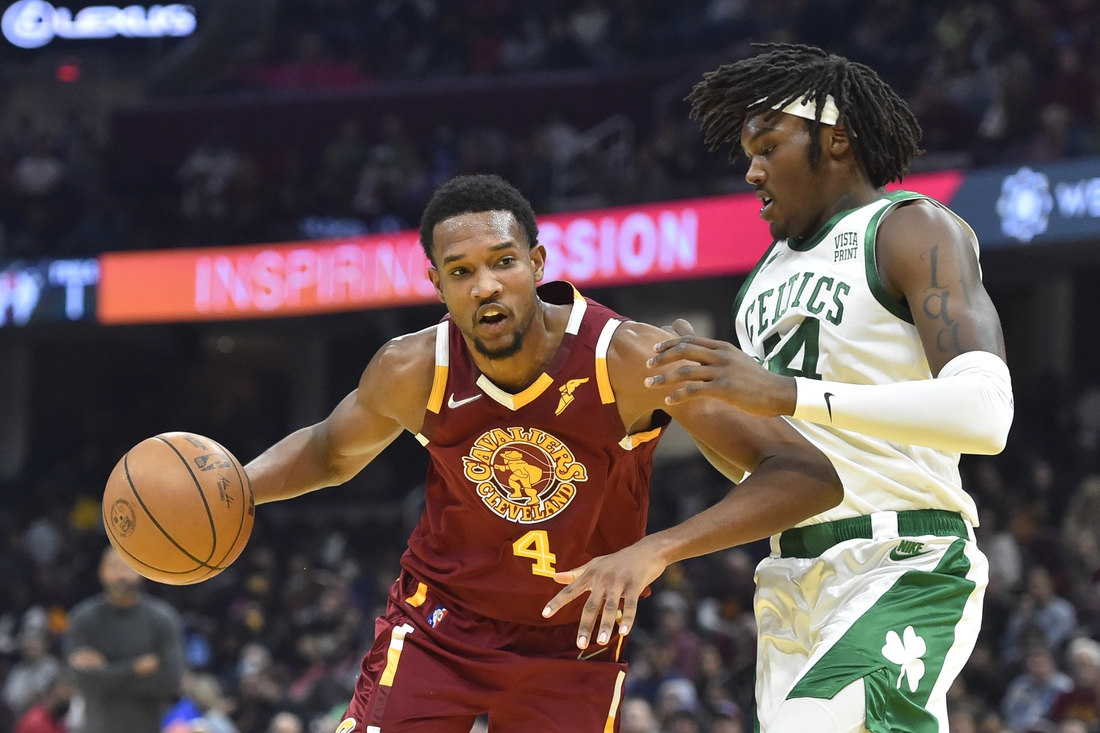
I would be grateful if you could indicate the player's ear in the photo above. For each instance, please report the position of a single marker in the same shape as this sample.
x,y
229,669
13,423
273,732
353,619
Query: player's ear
x,y
836,141
433,275
538,261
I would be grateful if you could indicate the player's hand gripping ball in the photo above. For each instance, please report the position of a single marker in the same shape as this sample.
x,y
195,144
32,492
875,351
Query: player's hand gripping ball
x,y
178,508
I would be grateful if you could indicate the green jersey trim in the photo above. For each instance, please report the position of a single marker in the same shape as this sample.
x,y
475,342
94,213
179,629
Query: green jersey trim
x,y
806,245
874,282
748,280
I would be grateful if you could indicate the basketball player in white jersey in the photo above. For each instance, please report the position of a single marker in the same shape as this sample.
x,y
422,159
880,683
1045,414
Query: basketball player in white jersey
x,y
866,323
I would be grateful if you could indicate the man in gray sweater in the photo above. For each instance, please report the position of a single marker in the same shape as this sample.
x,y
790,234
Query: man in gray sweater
x,y
126,652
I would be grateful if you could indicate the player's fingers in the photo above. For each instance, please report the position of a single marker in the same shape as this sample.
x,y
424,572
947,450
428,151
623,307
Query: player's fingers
x,y
680,327
568,576
630,610
688,340
588,618
565,596
672,343
683,374
607,618
702,351
687,392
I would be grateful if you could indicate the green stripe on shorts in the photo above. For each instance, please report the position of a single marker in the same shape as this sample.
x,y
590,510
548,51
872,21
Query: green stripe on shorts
x,y
898,647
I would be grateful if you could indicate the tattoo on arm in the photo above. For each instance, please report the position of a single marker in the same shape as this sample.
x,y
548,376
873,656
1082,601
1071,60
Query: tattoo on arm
x,y
936,308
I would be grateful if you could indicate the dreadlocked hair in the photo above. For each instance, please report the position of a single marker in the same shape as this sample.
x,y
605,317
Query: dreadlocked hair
x,y
884,132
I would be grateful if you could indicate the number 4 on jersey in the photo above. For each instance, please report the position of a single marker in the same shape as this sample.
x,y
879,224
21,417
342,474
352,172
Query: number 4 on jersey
x,y
536,546
805,339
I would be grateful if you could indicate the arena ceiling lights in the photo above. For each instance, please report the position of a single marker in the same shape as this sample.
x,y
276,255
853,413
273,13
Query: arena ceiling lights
x,y
34,23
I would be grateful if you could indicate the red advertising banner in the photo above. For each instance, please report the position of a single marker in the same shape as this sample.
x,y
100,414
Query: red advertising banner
x,y
673,240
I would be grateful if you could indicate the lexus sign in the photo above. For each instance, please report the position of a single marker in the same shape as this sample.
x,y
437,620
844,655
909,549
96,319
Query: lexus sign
x,y
34,23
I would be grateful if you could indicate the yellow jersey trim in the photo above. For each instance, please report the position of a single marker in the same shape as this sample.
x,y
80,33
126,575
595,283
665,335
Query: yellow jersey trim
x,y
515,401
417,599
603,377
442,365
631,442
580,307
393,655
609,727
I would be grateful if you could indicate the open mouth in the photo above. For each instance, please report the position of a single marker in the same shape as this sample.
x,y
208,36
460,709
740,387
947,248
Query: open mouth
x,y
765,201
491,316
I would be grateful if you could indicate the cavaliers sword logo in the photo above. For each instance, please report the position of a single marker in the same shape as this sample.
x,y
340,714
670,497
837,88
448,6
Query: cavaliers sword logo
x,y
524,475
567,394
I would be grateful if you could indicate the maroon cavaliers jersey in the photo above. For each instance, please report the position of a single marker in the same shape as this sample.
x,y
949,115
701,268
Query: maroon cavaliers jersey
x,y
522,485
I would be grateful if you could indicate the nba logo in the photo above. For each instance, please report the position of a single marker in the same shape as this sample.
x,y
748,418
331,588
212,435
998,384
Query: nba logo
x,y
437,616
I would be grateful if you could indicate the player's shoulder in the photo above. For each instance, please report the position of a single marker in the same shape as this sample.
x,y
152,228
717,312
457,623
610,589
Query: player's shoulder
x,y
399,378
630,348
633,339
409,356
918,219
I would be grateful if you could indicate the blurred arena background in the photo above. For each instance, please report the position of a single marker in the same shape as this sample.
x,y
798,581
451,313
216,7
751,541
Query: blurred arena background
x,y
296,141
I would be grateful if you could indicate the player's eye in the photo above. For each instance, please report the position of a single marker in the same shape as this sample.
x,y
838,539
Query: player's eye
x,y
507,261
458,271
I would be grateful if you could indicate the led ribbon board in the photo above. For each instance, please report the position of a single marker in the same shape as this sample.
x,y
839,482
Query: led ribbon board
x,y
47,291
34,23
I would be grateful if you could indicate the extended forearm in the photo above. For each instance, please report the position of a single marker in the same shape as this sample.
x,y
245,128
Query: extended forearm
x,y
783,491
296,465
968,408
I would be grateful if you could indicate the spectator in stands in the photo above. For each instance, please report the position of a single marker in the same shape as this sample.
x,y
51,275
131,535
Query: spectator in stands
x,y
1042,609
1083,701
683,721
726,724
285,723
35,672
990,721
48,714
126,652
1031,695
1081,545
674,695
260,689
637,716
675,631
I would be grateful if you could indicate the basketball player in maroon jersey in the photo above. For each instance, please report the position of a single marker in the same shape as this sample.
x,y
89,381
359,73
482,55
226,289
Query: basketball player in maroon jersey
x,y
541,432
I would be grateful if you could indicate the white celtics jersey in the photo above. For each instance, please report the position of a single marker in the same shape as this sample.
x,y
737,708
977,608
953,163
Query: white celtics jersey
x,y
816,308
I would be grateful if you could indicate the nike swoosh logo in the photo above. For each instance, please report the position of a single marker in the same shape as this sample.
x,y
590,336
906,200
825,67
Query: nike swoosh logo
x,y
828,396
896,556
452,404
589,655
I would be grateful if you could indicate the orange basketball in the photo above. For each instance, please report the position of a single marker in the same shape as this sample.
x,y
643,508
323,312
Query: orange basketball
x,y
178,508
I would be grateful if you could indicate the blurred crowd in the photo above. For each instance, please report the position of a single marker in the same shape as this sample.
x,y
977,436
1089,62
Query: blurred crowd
x,y
991,83
274,643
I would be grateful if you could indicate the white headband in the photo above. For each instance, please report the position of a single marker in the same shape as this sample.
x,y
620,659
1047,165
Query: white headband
x,y
804,107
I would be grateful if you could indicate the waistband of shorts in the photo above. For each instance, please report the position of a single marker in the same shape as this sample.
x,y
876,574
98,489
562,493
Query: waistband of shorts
x,y
812,540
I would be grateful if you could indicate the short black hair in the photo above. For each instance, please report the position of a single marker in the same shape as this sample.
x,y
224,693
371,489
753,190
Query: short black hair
x,y
884,132
473,195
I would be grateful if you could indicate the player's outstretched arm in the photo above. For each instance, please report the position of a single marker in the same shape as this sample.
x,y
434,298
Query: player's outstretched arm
x,y
790,480
927,261
391,396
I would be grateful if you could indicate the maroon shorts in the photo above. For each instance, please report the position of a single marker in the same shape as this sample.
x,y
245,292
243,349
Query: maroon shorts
x,y
434,669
